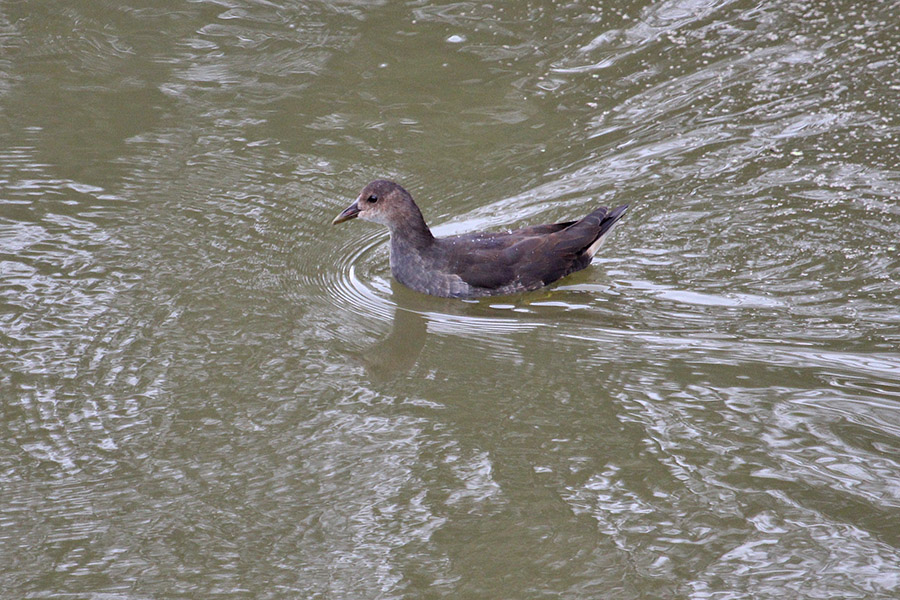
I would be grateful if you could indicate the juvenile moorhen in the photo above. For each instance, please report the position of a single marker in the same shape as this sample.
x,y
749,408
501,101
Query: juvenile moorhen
x,y
478,264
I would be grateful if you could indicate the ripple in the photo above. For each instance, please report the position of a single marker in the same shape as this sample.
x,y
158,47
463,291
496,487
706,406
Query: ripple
x,y
353,283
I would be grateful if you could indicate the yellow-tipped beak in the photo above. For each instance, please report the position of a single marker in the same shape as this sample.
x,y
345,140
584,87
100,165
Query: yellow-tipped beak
x,y
349,213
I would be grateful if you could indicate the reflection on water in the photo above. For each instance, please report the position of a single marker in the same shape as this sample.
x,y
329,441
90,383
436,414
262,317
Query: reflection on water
x,y
207,391
397,353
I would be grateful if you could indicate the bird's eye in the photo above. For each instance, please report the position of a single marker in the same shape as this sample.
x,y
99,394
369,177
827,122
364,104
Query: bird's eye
x,y
373,199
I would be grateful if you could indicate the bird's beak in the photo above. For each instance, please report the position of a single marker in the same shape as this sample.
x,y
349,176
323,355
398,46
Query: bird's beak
x,y
349,213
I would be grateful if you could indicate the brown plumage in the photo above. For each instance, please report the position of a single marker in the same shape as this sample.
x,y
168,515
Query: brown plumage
x,y
478,264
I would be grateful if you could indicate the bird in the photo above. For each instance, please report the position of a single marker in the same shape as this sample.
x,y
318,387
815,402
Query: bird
x,y
476,265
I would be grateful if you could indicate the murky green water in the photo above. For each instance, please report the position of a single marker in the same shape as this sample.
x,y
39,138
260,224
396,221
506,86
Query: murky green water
x,y
209,392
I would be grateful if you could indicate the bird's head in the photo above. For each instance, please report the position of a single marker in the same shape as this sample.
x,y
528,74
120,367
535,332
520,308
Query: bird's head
x,y
381,201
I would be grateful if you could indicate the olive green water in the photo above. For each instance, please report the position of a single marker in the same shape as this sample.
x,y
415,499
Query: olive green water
x,y
206,391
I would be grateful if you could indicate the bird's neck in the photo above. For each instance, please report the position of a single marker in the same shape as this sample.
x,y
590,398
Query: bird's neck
x,y
411,231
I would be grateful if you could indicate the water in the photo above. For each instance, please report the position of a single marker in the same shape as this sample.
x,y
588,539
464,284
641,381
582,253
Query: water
x,y
209,392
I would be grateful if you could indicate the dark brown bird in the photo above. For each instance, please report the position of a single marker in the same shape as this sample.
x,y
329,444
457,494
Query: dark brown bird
x,y
478,264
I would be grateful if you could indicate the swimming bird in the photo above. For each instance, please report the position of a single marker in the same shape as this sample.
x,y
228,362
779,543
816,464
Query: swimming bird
x,y
479,264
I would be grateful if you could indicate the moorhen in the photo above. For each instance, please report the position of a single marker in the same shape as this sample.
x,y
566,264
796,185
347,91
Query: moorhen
x,y
479,264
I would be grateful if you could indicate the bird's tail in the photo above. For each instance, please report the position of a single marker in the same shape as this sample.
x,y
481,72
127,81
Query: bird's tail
x,y
608,220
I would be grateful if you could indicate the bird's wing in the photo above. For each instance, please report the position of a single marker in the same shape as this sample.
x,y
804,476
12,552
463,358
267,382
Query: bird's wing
x,y
530,257
526,262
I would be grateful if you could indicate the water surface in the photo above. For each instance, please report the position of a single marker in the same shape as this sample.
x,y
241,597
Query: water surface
x,y
209,392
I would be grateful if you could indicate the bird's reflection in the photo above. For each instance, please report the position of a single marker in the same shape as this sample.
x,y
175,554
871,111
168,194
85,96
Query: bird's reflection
x,y
397,353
